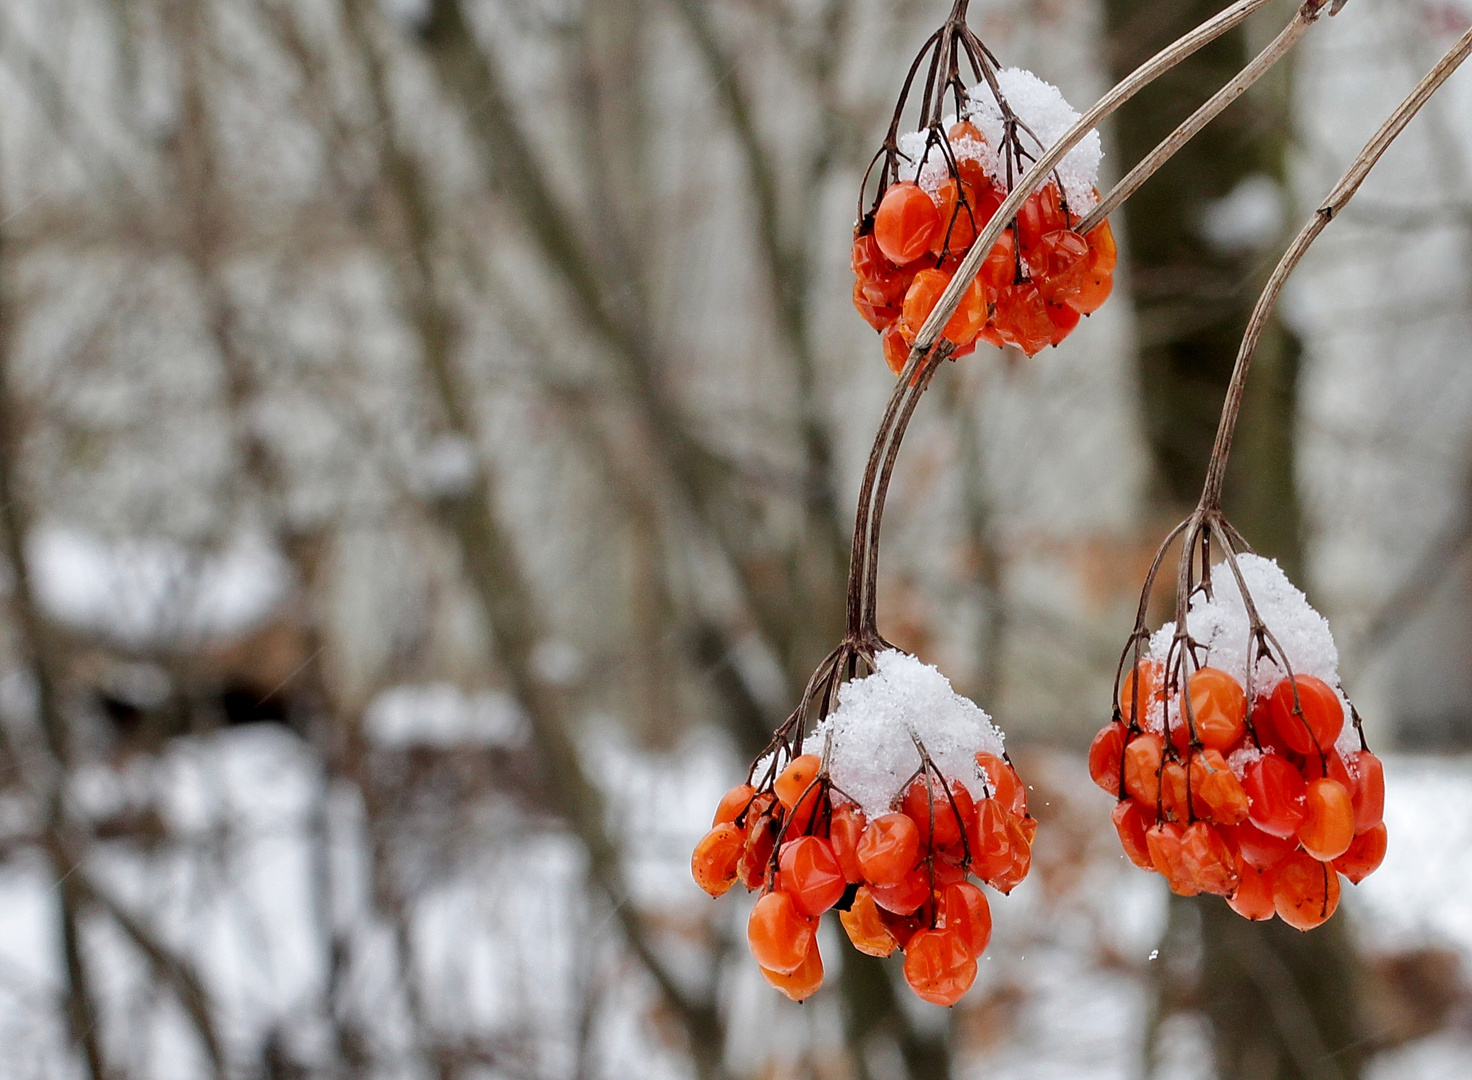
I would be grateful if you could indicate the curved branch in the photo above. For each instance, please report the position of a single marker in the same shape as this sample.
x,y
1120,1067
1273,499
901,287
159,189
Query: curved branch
x,y
1343,191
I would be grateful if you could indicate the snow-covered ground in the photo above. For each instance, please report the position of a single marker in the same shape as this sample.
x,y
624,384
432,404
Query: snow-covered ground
x,y
261,855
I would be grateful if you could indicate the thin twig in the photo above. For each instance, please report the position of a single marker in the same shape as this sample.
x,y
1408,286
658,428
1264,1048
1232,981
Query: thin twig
x,y
1343,191
1280,46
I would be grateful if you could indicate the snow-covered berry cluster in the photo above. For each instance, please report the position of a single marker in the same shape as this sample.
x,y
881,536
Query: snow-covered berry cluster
x,y
911,798
940,188
1265,806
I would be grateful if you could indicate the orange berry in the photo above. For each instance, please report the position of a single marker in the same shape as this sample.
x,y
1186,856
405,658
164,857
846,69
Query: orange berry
x,y
1274,795
811,874
904,223
1322,719
1328,821
801,984
844,831
958,222
865,926
1022,318
1131,824
868,262
714,863
965,910
1064,319
1106,756
1149,673
1258,849
878,316
939,966
1019,852
921,299
896,348
1004,782
1104,254
1207,860
990,840
965,129
1142,759
1173,792
1305,891
761,835
1097,286
888,849
796,779
1254,896
928,807
734,803
1164,843
1218,710
1060,264
1216,786
999,268
1040,215
1367,789
1366,853
778,934
905,896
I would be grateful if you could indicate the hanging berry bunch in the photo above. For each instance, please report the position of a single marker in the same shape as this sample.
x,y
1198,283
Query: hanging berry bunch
x,y
911,798
1229,750
938,188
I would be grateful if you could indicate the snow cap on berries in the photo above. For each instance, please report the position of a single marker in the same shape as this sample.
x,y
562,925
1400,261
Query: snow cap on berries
x,y
1041,106
1220,624
873,754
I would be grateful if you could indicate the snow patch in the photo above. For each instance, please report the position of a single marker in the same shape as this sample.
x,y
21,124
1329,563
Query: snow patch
x,y
1038,104
873,752
1219,623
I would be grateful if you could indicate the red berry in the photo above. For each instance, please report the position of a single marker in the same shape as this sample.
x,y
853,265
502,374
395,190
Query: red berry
x,y
1006,787
1142,759
865,925
905,222
1305,891
939,966
1131,824
966,911
1207,860
926,803
888,849
1328,822
905,896
714,863
734,803
1064,319
844,832
811,874
1254,896
1367,788
1149,673
1274,795
1106,756
1261,850
1060,264
1322,719
1218,788
1366,853
1022,318
801,984
778,934
1218,710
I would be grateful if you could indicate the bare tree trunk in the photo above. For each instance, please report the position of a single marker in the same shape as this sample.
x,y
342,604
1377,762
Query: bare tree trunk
x,y
1282,1005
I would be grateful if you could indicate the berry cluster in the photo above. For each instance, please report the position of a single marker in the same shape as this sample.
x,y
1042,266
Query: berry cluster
x,y
1266,811
898,881
1038,279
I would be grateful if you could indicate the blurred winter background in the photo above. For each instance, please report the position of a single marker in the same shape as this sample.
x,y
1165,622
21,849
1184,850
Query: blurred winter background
x,y
429,432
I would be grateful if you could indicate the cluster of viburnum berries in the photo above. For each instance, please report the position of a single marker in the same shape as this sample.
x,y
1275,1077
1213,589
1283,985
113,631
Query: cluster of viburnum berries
x,y
1267,815
1036,282
899,881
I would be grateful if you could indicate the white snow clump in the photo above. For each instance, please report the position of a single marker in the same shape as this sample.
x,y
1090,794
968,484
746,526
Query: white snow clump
x,y
873,753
